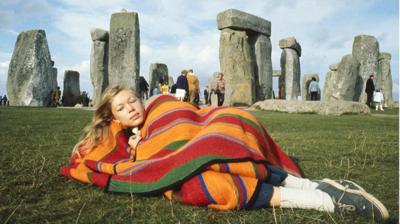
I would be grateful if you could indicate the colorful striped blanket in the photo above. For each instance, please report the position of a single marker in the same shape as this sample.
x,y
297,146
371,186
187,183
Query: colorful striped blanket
x,y
186,153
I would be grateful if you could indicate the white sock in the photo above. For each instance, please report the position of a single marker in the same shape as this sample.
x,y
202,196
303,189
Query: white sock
x,y
299,183
306,199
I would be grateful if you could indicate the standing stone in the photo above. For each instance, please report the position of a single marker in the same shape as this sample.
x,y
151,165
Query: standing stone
x,y
385,74
29,81
366,51
290,68
245,57
124,49
99,64
157,71
236,64
264,67
307,78
72,92
347,84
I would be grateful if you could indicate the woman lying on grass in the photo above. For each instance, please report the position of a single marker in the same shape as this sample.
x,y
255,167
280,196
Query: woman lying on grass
x,y
220,157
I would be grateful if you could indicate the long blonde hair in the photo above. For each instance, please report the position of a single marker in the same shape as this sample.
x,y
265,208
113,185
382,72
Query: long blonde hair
x,y
97,130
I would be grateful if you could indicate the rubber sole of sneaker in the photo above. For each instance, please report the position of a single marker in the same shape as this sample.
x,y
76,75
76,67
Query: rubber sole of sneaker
x,y
369,197
356,186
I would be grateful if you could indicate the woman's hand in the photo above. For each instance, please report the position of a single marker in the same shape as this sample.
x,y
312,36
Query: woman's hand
x,y
134,140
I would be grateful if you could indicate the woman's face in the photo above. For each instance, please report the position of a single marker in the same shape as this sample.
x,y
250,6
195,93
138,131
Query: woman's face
x,y
127,109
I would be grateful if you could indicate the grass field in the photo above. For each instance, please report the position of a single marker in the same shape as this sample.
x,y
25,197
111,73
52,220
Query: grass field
x,y
35,142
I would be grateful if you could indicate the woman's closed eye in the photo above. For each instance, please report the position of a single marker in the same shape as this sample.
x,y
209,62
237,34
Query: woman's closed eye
x,y
120,108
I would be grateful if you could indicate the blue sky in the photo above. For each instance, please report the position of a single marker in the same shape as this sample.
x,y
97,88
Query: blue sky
x,y
183,34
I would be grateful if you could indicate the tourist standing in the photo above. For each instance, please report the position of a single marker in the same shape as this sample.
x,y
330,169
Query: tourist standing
x,y
143,88
313,89
182,86
165,88
206,95
369,89
193,85
378,99
221,89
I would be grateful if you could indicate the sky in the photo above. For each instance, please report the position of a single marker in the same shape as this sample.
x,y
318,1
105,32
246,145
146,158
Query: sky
x,y
183,34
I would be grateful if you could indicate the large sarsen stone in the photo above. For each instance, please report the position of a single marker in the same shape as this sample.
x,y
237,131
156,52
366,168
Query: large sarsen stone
x,y
30,74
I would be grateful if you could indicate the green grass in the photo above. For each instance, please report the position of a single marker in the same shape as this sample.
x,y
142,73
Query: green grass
x,y
35,142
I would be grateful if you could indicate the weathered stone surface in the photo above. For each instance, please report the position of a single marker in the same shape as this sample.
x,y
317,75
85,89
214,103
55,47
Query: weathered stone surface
x,y
72,92
307,78
239,20
235,56
99,34
385,74
29,81
334,107
290,42
99,69
281,86
262,50
157,71
329,85
54,78
333,67
366,51
276,73
290,69
124,49
385,56
346,84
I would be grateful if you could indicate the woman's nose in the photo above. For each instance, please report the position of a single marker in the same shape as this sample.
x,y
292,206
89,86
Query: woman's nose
x,y
130,108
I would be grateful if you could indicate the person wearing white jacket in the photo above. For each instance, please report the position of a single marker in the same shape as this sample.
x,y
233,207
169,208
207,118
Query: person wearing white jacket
x,y
378,99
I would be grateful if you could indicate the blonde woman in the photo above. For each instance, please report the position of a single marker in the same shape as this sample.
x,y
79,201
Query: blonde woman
x,y
220,157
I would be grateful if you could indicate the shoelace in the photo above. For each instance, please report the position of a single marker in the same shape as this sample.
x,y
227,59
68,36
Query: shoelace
x,y
342,206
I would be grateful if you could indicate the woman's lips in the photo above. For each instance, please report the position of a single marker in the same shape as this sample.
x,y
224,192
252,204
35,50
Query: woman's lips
x,y
134,117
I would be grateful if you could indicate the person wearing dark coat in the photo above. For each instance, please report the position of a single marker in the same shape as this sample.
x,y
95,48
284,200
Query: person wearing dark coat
x,y
143,88
369,89
182,86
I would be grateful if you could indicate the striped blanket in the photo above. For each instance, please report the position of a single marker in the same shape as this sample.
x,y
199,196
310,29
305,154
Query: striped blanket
x,y
215,156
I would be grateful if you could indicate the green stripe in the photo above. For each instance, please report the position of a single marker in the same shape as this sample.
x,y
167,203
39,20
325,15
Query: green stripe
x,y
176,144
170,178
237,190
255,169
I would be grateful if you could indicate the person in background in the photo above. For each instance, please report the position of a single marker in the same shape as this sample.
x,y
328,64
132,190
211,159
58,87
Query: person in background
x,y
165,88
193,86
313,89
206,96
143,88
221,89
5,101
378,100
369,89
182,87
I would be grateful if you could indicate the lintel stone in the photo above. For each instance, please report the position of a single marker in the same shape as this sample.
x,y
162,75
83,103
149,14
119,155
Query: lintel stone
x,y
235,19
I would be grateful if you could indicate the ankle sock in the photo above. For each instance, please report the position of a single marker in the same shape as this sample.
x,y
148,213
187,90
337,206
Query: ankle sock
x,y
306,199
299,183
